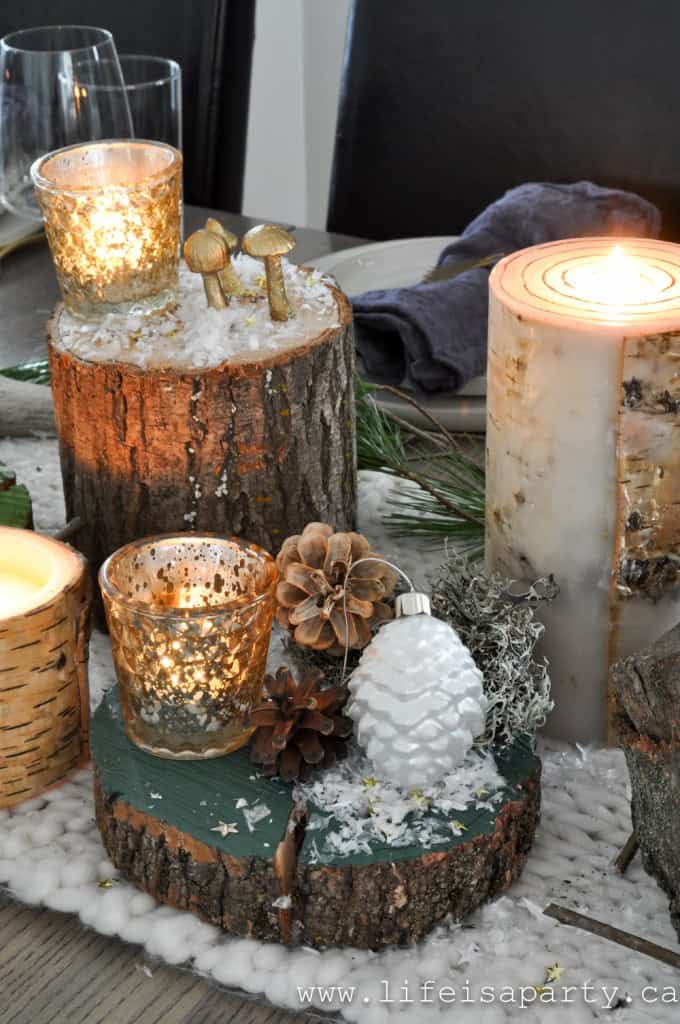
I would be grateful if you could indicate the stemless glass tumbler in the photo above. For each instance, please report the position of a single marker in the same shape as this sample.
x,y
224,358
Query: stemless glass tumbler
x,y
190,618
44,107
153,91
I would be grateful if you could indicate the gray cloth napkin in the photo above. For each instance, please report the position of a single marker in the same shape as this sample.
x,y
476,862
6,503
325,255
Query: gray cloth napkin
x,y
432,337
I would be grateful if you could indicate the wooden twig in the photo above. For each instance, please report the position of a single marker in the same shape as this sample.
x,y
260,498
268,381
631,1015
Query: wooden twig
x,y
607,931
70,530
626,855
410,400
425,435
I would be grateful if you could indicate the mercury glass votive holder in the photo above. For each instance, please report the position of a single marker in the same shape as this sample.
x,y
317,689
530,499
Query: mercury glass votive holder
x,y
112,213
190,618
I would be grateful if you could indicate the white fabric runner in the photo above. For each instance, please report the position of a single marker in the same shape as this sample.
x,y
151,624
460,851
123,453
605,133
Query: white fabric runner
x,y
484,970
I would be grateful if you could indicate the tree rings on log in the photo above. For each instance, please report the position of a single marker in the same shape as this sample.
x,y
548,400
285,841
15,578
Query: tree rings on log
x,y
255,447
179,830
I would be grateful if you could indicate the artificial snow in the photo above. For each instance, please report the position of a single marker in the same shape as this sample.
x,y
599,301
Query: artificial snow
x,y
193,336
51,854
362,809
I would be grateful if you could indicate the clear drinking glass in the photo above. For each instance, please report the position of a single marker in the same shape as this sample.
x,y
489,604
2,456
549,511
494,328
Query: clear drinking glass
x,y
153,89
44,107
190,618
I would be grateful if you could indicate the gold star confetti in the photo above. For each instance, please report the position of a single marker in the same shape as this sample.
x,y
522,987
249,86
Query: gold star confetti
x,y
260,280
226,828
250,321
457,827
553,973
479,793
105,883
369,782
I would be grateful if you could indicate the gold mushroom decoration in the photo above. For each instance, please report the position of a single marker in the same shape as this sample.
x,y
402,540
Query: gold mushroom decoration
x,y
207,254
229,279
269,242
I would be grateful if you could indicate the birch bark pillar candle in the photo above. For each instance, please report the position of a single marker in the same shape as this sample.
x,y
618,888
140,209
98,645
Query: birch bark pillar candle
x,y
583,481
44,633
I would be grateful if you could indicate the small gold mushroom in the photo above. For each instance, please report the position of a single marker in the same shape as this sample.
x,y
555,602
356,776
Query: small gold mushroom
x,y
229,279
269,243
207,254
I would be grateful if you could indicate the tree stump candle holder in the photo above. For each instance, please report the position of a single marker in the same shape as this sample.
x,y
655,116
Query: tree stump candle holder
x,y
211,419
217,838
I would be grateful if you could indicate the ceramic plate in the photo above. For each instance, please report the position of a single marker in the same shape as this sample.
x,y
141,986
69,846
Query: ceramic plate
x,y
394,265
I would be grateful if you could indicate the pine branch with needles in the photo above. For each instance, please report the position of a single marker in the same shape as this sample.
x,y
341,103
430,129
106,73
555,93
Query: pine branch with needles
x,y
444,493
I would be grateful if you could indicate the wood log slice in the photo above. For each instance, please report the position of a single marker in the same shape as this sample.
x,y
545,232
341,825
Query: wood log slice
x,y
646,688
160,824
254,447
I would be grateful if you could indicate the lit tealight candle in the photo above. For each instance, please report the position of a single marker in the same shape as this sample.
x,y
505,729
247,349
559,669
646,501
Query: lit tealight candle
x,y
190,618
33,569
112,218
582,468
44,603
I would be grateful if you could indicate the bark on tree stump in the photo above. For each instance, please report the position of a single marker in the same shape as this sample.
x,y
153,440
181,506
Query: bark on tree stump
x,y
159,822
255,447
646,688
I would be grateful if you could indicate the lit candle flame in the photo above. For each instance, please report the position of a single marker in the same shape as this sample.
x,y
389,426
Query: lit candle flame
x,y
618,279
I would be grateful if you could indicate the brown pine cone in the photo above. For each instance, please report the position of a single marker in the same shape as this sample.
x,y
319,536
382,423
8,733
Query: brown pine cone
x,y
310,596
299,726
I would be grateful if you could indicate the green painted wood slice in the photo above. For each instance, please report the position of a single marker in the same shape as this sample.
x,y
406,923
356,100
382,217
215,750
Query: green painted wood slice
x,y
192,796
160,820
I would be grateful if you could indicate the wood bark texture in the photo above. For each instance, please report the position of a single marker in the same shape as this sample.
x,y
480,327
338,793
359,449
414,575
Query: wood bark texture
x,y
44,705
256,449
169,847
646,689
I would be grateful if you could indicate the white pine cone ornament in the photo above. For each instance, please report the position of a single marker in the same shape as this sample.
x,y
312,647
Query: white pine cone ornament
x,y
417,701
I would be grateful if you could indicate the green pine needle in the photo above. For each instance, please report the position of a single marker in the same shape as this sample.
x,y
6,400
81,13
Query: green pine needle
x,y
448,501
35,372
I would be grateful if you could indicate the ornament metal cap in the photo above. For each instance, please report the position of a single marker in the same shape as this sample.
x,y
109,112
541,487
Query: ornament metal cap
x,y
412,603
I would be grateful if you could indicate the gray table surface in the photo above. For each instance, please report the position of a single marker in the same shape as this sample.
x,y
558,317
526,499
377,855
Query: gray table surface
x,y
52,968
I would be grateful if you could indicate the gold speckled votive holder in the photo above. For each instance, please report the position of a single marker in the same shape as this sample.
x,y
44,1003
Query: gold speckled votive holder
x,y
112,214
190,618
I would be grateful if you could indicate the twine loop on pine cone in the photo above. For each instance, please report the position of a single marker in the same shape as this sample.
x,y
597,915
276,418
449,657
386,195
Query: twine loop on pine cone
x,y
350,569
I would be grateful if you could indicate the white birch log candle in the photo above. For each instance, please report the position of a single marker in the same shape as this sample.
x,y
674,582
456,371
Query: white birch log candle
x,y
583,413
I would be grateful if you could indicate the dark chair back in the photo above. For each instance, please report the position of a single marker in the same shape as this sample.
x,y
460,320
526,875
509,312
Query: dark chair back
x,y
448,103
212,40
